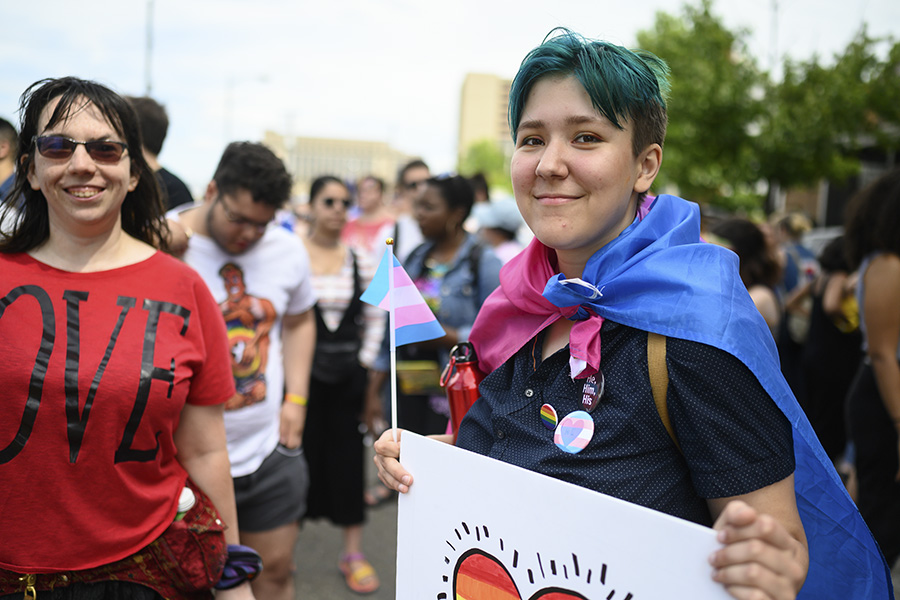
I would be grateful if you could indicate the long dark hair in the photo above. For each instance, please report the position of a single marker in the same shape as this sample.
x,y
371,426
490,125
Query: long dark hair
x,y
142,210
759,264
872,221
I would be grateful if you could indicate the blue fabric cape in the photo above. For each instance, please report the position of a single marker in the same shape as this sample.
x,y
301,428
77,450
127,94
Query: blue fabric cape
x,y
658,276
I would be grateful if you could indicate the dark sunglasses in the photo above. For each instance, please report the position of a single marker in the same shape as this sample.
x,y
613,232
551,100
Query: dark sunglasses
x,y
330,202
57,147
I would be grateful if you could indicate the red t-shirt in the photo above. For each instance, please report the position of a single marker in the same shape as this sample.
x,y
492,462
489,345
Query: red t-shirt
x,y
95,369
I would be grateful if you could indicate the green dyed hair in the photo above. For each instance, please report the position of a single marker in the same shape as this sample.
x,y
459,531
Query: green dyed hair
x,y
623,84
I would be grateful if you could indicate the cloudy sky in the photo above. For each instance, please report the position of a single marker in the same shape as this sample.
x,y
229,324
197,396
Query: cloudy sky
x,y
387,70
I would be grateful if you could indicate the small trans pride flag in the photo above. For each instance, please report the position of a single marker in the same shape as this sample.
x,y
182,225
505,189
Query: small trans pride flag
x,y
411,320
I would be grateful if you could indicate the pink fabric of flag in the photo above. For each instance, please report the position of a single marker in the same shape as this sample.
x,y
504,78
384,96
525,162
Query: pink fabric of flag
x,y
413,320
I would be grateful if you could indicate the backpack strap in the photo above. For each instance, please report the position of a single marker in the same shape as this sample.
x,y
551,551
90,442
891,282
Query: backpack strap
x,y
659,380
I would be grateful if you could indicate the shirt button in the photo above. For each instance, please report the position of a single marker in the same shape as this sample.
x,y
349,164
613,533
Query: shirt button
x,y
529,393
500,434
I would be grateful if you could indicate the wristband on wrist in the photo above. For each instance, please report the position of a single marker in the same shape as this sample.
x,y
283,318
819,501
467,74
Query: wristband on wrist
x,y
243,564
295,399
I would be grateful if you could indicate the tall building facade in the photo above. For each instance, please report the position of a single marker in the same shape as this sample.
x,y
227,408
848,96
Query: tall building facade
x,y
483,112
307,158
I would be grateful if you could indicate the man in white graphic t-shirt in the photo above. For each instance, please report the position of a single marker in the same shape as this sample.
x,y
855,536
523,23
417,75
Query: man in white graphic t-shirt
x,y
259,274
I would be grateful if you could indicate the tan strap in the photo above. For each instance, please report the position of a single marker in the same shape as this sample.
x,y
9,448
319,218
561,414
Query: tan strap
x,y
659,379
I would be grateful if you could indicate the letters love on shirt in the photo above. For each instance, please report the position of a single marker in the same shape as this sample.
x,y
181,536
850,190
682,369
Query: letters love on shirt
x,y
92,377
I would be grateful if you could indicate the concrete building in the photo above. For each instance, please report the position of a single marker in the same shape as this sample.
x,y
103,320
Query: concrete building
x,y
483,112
307,158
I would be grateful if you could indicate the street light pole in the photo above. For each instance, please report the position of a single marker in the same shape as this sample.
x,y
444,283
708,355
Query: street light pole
x,y
148,51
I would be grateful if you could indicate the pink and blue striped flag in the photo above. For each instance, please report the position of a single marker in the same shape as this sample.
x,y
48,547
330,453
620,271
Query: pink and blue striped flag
x,y
413,320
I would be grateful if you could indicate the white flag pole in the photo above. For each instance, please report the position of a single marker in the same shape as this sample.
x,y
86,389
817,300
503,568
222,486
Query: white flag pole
x,y
393,334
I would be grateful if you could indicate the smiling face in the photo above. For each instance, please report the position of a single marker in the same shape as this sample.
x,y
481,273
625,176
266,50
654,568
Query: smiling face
x,y
575,176
83,197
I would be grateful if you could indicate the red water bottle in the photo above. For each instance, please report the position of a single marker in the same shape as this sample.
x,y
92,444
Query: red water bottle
x,y
461,378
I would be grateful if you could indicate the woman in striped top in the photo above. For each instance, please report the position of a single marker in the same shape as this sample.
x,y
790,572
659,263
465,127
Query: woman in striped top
x,y
348,336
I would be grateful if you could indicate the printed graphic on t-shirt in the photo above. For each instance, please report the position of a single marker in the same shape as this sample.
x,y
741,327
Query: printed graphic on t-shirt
x,y
248,320
429,285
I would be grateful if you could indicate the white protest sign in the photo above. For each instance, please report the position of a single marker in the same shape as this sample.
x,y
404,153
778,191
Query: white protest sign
x,y
475,528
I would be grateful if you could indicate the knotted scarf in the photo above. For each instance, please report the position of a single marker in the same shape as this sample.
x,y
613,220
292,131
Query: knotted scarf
x,y
658,276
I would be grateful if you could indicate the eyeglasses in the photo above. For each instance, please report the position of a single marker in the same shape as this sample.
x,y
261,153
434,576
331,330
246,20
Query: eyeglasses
x,y
57,147
330,202
238,220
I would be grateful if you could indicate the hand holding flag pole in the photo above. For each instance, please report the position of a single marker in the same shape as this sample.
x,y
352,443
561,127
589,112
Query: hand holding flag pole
x,y
410,319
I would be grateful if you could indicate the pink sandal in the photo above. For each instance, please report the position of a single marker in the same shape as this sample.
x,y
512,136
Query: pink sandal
x,y
358,573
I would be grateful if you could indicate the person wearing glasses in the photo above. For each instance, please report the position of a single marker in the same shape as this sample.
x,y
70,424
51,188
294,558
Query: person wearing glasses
x,y
348,336
410,181
616,282
114,370
259,274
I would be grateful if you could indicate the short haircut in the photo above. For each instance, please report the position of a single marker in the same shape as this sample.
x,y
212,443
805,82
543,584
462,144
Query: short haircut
x,y
154,122
8,133
320,182
456,191
142,209
872,221
479,183
623,84
416,163
253,167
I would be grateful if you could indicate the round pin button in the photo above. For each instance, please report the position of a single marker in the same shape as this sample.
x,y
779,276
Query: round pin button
x,y
592,391
574,432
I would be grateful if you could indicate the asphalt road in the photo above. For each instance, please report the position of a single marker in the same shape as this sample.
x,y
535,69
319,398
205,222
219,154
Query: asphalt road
x,y
319,548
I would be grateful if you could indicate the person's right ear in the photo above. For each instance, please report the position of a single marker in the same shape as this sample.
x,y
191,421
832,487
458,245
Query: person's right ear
x,y
212,192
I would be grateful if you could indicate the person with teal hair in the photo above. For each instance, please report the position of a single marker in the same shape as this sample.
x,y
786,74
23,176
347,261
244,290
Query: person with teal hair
x,y
625,86
722,441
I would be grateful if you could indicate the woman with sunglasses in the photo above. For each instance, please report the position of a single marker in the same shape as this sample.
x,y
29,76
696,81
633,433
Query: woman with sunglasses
x,y
348,335
114,367
455,272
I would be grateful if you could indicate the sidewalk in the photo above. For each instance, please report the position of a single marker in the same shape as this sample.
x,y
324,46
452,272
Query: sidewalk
x,y
319,547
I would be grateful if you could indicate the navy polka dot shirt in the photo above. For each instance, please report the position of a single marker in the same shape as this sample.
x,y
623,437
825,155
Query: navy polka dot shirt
x,y
733,437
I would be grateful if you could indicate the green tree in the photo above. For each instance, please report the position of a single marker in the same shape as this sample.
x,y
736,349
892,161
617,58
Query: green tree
x,y
820,117
487,156
710,151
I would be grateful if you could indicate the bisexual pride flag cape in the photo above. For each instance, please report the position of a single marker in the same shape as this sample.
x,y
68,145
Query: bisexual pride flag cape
x,y
657,277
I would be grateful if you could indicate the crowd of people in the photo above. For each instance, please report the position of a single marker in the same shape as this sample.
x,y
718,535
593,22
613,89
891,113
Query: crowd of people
x,y
186,382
